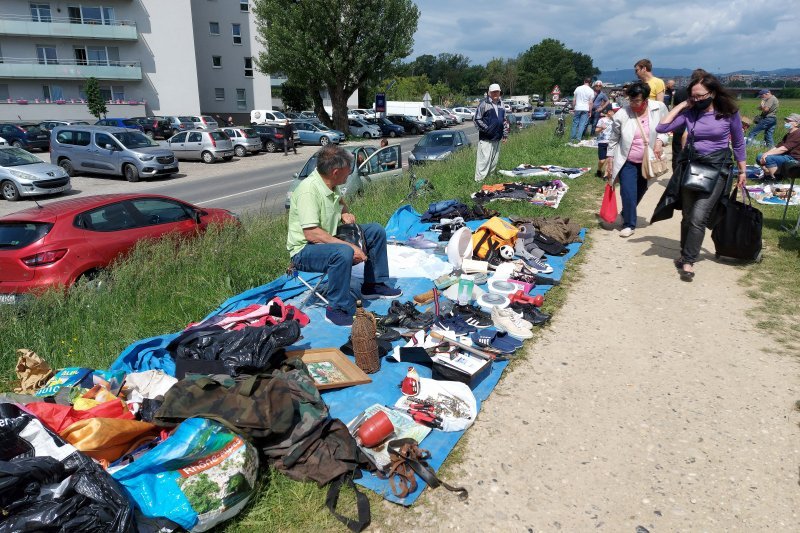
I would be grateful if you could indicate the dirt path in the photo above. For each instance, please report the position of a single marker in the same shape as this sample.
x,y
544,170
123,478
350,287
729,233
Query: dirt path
x,y
648,402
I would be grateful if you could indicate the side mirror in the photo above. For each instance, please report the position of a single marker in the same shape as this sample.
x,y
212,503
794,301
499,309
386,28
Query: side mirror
x,y
459,144
196,216
110,147
296,175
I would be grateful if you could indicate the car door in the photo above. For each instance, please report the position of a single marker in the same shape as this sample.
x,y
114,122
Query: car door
x,y
160,216
194,144
178,146
382,164
304,133
114,231
102,158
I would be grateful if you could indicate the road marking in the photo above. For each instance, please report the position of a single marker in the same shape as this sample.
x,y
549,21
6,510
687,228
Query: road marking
x,y
243,192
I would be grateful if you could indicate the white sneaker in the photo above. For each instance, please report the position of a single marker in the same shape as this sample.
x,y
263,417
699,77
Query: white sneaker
x,y
626,232
508,321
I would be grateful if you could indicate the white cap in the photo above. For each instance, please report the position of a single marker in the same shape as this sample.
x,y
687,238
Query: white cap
x,y
494,87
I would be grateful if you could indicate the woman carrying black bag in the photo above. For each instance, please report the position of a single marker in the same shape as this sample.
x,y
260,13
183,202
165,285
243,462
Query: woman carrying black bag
x,y
712,122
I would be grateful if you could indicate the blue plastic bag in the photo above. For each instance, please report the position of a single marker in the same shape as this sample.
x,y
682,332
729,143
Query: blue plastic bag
x,y
201,475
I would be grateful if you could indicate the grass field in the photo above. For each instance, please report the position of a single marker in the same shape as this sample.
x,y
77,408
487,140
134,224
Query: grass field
x,y
160,288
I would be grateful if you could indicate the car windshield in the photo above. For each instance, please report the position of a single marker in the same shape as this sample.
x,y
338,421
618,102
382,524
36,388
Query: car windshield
x,y
19,234
185,119
437,139
209,119
15,157
250,133
321,127
219,136
31,128
278,115
134,139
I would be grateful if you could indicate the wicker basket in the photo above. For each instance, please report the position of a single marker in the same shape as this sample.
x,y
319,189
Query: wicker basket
x,y
365,343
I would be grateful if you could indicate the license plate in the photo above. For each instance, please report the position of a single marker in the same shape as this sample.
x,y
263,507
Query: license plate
x,y
8,299
42,137
173,167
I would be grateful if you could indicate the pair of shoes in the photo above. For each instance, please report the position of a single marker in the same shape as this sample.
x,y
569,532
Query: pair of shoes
x,y
473,316
495,341
686,275
508,321
338,317
531,313
538,265
626,232
405,315
379,290
454,324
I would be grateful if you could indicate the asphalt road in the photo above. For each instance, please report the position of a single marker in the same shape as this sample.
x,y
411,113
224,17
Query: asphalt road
x,y
256,182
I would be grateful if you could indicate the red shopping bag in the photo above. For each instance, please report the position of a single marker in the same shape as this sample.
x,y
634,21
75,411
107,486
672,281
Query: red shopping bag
x,y
608,209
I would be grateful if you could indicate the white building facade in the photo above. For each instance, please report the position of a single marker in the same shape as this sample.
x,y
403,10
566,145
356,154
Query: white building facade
x,y
153,57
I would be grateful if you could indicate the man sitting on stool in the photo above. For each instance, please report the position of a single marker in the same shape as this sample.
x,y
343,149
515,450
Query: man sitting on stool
x,y
315,211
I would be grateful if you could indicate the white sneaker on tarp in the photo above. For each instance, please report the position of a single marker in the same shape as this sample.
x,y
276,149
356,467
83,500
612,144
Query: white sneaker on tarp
x,y
508,321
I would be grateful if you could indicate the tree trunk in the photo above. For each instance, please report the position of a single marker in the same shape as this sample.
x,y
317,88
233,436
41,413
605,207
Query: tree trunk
x,y
319,107
339,102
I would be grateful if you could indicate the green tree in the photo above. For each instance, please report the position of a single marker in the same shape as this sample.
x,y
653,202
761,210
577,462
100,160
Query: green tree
x,y
94,100
551,62
295,96
338,46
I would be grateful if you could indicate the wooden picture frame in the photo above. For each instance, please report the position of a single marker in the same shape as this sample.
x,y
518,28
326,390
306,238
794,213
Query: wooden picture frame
x,y
330,368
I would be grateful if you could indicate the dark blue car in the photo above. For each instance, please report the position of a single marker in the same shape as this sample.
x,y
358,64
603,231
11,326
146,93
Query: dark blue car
x,y
120,123
388,128
23,135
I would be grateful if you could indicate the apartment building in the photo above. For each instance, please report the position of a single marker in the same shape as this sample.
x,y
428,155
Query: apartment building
x,y
162,57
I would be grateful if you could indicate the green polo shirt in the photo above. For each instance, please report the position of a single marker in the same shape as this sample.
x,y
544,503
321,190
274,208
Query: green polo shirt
x,y
313,204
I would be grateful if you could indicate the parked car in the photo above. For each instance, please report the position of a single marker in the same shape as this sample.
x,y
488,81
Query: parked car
x,y
3,142
361,113
437,145
464,112
387,127
449,120
456,117
178,124
272,138
266,116
155,126
410,124
110,151
208,146
369,164
24,174
245,140
202,122
540,113
61,242
308,114
360,128
317,133
25,135
291,115
50,125
128,123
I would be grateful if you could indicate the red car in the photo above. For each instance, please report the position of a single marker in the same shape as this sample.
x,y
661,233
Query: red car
x,y
56,244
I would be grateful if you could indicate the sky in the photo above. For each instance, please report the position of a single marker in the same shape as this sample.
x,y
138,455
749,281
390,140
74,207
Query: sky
x,y
717,35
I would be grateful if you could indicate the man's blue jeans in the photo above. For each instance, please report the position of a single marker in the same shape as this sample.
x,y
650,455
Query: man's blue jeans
x,y
579,120
774,160
632,187
337,261
767,125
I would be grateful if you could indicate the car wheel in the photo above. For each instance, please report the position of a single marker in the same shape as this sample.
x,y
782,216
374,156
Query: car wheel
x,y
150,134
392,134
9,191
131,173
208,157
271,147
227,158
17,144
240,151
91,279
66,164
367,135
324,141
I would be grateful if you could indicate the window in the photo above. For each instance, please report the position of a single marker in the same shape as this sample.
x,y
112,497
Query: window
x,y
241,99
216,61
78,138
179,138
157,211
219,93
46,55
4,95
248,67
118,92
40,13
243,5
102,139
52,92
213,28
91,15
195,137
236,30
114,217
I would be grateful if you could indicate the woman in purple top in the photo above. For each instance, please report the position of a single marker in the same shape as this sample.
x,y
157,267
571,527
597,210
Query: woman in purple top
x,y
712,122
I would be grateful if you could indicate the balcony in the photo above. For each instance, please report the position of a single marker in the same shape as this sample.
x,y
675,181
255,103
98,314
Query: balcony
x,y
63,27
69,69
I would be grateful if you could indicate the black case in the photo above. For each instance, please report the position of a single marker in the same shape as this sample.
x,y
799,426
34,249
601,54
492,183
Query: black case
x,y
444,372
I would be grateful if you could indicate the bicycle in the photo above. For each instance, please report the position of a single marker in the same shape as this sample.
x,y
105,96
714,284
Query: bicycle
x,y
560,128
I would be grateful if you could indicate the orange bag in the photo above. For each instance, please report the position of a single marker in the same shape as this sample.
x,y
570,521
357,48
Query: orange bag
x,y
58,417
107,438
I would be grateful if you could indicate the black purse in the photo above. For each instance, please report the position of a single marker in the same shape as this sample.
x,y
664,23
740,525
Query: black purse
x,y
697,176
353,234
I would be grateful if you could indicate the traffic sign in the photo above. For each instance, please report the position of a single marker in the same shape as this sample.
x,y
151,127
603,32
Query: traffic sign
x,y
555,90
380,103
556,97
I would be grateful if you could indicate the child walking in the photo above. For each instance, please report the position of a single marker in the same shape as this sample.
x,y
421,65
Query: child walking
x,y
603,131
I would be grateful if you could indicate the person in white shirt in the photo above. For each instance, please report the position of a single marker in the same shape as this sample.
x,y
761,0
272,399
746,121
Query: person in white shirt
x,y
582,100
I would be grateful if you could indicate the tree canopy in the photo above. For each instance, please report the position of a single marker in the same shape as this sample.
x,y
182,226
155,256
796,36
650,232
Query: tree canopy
x,y
334,45
94,100
551,63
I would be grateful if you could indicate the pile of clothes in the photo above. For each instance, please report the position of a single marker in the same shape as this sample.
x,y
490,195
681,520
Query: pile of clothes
x,y
546,170
546,193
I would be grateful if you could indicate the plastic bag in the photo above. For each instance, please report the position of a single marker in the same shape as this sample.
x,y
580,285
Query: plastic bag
x,y
201,475
608,209
48,485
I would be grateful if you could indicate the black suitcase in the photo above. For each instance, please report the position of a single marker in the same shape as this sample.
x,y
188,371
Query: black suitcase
x,y
737,234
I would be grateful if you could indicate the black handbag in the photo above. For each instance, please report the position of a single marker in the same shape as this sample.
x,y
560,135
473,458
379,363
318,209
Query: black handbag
x,y
353,234
737,234
700,177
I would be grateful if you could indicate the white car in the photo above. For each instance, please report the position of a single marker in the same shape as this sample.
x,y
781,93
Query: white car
x,y
360,128
3,142
464,113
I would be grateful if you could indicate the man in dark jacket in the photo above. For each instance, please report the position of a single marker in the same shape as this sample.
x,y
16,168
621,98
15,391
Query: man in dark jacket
x,y
490,119
288,138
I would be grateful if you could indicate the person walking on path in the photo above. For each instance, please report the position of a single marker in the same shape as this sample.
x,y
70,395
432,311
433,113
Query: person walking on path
x,y
712,121
766,120
644,71
633,135
490,119
288,138
582,100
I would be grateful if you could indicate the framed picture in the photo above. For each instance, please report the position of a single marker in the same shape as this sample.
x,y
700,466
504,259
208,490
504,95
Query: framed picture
x,y
330,368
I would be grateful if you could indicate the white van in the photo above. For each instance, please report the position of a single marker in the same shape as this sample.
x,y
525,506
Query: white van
x,y
417,110
267,116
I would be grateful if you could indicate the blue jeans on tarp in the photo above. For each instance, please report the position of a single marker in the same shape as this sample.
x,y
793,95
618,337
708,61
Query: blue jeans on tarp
x,y
767,125
632,187
337,261
579,120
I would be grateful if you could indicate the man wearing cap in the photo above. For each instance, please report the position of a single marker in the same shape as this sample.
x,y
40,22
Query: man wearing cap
x,y
490,119
787,150
582,102
599,105
767,120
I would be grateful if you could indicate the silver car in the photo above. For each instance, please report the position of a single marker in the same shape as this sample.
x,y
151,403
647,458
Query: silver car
x,y
24,174
178,124
359,128
202,122
245,140
208,146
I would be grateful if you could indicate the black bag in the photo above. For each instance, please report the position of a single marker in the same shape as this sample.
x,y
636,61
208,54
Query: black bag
x,y
353,234
700,177
737,234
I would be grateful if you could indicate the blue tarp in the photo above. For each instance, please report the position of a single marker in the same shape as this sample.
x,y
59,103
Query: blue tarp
x,y
347,403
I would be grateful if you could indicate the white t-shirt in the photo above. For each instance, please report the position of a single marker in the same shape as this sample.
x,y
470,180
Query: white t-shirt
x,y
583,97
